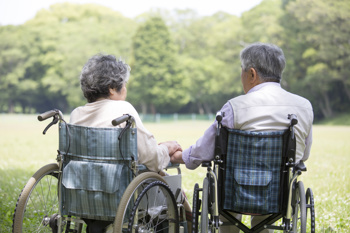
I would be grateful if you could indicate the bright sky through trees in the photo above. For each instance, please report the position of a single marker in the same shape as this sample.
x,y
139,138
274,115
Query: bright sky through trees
x,y
19,11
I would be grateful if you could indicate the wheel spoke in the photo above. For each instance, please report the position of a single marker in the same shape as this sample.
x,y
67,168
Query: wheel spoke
x,y
37,202
154,210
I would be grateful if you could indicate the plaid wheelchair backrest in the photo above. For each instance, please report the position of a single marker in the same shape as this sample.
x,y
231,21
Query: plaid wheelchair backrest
x,y
95,169
252,176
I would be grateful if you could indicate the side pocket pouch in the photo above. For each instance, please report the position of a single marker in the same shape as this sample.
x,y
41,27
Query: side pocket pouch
x,y
92,190
251,191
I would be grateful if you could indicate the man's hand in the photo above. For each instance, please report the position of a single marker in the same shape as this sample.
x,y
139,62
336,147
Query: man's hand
x,y
173,146
176,157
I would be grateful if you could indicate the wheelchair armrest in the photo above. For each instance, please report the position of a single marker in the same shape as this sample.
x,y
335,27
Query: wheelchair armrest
x,y
142,167
173,165
206,164
301,166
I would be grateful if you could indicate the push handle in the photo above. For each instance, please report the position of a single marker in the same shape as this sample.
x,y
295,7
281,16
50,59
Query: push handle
x,y
293,119
129,122
56,116
48,114
219,116
122,119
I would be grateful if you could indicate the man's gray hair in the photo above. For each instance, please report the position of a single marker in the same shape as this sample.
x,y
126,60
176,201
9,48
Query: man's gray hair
x,y
100,73
267,59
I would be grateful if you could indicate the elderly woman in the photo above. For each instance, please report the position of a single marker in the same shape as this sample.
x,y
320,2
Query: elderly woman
x,y
103,82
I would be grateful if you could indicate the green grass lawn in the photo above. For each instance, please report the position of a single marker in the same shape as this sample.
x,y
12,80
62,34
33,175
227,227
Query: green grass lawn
x,y
23,150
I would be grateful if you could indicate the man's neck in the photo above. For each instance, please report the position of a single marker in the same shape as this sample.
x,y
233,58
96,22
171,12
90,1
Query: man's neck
x,y
261,85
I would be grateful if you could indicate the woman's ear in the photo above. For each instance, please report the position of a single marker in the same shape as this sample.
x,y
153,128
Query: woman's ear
x,y
114,95
112,92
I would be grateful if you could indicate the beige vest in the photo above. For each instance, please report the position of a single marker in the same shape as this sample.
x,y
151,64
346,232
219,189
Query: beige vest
x,y
267,110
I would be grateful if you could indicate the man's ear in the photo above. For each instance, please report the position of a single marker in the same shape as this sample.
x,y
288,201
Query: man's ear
x,y
253,76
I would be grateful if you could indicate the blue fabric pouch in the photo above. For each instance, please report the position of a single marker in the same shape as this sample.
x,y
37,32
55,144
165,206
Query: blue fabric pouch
x,y
253,172
95,170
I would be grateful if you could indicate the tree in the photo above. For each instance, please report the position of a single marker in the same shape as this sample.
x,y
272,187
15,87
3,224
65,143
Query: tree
x,y
261,24
316,35
41,60
209,51
157,81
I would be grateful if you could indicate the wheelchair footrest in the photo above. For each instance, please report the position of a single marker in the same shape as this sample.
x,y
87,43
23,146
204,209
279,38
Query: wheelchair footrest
x,y
273,227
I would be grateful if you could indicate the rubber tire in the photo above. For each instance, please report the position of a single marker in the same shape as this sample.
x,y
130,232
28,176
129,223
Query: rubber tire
x,y
196,203
141,180
27,192
171,210
205,207
311,206
299,217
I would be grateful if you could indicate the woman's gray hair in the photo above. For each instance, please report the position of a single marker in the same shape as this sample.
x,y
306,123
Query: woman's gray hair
x,y
267,59
100,73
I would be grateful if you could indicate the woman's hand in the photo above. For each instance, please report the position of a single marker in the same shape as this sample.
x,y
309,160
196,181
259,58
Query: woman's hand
x,y
173,146
176,157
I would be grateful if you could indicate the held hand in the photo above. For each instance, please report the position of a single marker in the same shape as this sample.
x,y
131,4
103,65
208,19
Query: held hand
x,y
173,146
176,157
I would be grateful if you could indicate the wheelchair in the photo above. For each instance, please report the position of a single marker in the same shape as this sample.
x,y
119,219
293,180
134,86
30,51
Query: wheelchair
x,y
254,173
97,178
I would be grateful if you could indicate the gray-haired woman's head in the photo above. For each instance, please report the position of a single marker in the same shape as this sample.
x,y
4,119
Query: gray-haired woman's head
x,y
267,59
100,73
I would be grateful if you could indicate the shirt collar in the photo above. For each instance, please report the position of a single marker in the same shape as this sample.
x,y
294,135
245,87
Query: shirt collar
x,y
261,85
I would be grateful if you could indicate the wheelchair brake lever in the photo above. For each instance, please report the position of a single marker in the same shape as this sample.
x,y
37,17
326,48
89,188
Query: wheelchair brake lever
x,y
54,121
127,126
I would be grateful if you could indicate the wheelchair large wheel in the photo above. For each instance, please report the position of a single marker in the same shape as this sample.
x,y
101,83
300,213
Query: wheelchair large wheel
x,y
155,210
196,203
37,205
205,207
127,201
310,205
299,215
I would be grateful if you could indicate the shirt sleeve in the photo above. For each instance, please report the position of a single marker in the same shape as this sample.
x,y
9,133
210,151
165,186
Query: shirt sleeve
x,y
155,157
203,149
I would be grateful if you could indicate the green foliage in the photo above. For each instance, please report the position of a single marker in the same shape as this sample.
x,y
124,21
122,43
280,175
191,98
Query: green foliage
x,y
41,60
316,33
262,23
181,62
157,80
340,119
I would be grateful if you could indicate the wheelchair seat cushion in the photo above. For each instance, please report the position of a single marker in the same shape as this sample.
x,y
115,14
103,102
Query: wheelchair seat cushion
x,y
253,169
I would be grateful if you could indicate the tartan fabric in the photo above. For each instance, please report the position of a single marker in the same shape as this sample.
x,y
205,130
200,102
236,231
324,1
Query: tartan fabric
x,y
253,167
95,175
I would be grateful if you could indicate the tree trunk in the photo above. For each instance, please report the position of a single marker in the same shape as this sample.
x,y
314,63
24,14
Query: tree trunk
x,y
153,109
10,106
144,108
346,89
325,106
207,108
200,108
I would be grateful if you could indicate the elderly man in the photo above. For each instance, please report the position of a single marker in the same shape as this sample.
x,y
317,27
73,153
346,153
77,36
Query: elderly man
x,y
264,107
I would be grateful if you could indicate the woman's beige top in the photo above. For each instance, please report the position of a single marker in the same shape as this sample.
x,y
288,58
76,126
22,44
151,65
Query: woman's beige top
x,y
101,113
